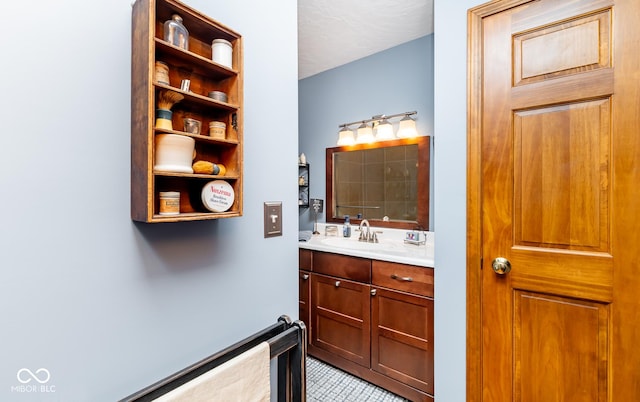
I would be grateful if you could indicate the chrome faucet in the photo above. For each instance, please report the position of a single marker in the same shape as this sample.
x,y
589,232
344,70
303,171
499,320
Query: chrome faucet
x,y
364,236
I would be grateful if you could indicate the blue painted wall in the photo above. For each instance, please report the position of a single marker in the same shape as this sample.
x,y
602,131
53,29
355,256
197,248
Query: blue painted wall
x,y
106,305
450,101
393,81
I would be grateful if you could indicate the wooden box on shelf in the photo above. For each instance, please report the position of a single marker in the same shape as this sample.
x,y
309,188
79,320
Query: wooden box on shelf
x,y
204,77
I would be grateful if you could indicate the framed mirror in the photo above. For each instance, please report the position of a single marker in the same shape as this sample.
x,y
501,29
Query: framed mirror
x,y
386,183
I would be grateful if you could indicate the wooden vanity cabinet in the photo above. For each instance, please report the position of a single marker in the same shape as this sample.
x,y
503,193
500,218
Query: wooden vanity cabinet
x,y
373,319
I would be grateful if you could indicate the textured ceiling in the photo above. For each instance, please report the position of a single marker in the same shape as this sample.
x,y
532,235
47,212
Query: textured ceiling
x,y
336,32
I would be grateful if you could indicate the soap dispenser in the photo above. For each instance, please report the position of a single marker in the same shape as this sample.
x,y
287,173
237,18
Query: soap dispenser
x,y
346,229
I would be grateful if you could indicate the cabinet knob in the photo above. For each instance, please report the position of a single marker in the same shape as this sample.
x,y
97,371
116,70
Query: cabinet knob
x,y
374,292
337,283
305,276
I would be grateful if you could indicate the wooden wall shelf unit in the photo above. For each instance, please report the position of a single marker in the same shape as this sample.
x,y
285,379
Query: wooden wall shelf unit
x,y
205,76
303,185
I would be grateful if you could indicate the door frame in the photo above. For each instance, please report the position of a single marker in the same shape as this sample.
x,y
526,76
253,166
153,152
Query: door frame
x,y
474,190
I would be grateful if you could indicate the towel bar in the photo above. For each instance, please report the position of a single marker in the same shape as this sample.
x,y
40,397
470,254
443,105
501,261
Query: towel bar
x,y
287,342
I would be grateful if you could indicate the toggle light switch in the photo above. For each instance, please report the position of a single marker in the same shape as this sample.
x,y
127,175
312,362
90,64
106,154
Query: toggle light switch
x,y
272,219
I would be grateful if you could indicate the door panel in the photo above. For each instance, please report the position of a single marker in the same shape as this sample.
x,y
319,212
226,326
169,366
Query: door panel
x,y
565,150
572,47
569,360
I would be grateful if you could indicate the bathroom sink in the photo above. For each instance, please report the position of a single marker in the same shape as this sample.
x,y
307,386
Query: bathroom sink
x,y
353,244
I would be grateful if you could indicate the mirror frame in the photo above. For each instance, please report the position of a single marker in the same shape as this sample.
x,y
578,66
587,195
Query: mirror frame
x,y
424,156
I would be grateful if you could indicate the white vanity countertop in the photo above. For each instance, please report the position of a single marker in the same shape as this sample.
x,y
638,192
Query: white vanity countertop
x,y
391,246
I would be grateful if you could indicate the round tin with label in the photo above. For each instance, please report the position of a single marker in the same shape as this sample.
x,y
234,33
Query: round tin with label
x,y
217,196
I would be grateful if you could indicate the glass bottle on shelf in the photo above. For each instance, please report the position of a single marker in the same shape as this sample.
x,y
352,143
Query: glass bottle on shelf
x,y
175,33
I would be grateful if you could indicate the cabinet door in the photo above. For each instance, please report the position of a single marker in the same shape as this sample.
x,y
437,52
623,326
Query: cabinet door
x,y
402,337
340,313
304,287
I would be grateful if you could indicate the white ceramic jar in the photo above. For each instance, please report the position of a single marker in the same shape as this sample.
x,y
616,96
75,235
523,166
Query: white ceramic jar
x,y
174,153
222,52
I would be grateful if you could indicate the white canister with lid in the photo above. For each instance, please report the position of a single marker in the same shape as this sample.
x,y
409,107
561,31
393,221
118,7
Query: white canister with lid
x,y
222,52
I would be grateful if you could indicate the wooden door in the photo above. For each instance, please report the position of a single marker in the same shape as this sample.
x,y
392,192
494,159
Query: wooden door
x,y
553,169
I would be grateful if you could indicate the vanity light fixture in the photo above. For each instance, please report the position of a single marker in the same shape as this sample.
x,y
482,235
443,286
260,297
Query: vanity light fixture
x,y
345,137
407,128
383,128
365,134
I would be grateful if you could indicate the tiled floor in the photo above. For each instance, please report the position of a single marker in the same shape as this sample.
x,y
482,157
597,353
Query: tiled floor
x,y
328,384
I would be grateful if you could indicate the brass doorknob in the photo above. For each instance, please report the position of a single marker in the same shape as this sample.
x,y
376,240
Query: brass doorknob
x,y
501,266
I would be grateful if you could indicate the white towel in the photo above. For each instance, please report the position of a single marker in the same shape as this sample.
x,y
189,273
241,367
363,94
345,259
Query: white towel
x,y
244,378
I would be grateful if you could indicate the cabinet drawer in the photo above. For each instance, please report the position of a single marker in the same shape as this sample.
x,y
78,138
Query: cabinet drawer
x,y
406,278
342,266
304,259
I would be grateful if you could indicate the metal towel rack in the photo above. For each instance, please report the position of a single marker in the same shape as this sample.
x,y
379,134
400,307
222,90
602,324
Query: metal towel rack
x,y
287,341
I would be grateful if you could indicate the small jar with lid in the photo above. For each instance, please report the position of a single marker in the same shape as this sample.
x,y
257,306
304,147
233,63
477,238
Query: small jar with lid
x,y
169,203
175,33
222,52
218,130
162,73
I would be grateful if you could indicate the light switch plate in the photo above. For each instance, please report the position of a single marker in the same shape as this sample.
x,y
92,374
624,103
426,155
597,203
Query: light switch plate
x,y
272,219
